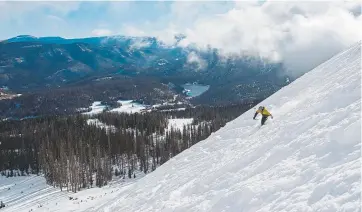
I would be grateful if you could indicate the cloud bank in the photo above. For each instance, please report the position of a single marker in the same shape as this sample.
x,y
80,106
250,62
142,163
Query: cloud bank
x,y
301,35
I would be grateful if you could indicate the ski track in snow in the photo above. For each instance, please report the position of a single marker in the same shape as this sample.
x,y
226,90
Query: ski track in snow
x,y
305,159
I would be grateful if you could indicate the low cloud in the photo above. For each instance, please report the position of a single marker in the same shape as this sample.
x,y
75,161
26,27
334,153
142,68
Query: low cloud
x,y
300,35
194,59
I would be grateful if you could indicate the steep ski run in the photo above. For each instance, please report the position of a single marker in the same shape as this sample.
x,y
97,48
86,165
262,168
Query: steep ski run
x,y
306,159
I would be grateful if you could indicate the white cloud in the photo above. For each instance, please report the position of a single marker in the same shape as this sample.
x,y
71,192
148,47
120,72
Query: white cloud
x,y
301,35
193,58
101,32
11,9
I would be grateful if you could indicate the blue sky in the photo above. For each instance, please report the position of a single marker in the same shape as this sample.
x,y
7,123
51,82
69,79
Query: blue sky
x,y
69,19
82,19
292,32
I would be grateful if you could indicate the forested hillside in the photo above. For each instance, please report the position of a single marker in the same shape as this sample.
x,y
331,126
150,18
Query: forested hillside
x,y
74,153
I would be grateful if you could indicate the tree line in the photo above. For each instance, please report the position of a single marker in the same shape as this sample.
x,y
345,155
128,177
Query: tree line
x,y
73,154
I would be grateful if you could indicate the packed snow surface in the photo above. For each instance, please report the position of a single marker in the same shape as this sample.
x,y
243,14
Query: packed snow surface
x,y
305,159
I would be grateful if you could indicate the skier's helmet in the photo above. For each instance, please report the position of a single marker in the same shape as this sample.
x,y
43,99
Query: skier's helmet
x,y
261,107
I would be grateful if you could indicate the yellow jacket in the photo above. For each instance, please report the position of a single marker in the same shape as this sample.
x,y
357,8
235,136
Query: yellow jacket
x,y
263,112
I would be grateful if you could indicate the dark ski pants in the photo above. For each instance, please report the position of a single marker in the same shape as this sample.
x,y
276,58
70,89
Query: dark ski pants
x,y
263,119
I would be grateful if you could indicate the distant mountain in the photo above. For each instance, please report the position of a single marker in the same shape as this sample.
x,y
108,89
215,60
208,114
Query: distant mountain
x,y
105,40
22,38
28,63
53,40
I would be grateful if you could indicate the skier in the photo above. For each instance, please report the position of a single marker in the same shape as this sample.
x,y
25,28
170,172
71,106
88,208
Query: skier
x,y
265,114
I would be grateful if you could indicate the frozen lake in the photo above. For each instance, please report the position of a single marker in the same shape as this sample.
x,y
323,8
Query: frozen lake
x,y
193,90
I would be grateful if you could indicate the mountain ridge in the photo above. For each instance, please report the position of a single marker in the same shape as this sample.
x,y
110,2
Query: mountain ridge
x,y
29,65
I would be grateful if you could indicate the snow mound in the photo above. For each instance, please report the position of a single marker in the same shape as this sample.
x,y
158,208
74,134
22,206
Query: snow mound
x,y
306,159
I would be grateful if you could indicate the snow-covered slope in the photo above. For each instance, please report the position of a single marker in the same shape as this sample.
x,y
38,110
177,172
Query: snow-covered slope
x,y
306,159
31,193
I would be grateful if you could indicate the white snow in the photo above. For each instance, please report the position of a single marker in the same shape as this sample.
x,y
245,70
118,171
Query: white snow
x,y
32,46
96,108
19,59
178,123
167,104
128,106
306,159
104,78
84,48
31,193
176,109
101,125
